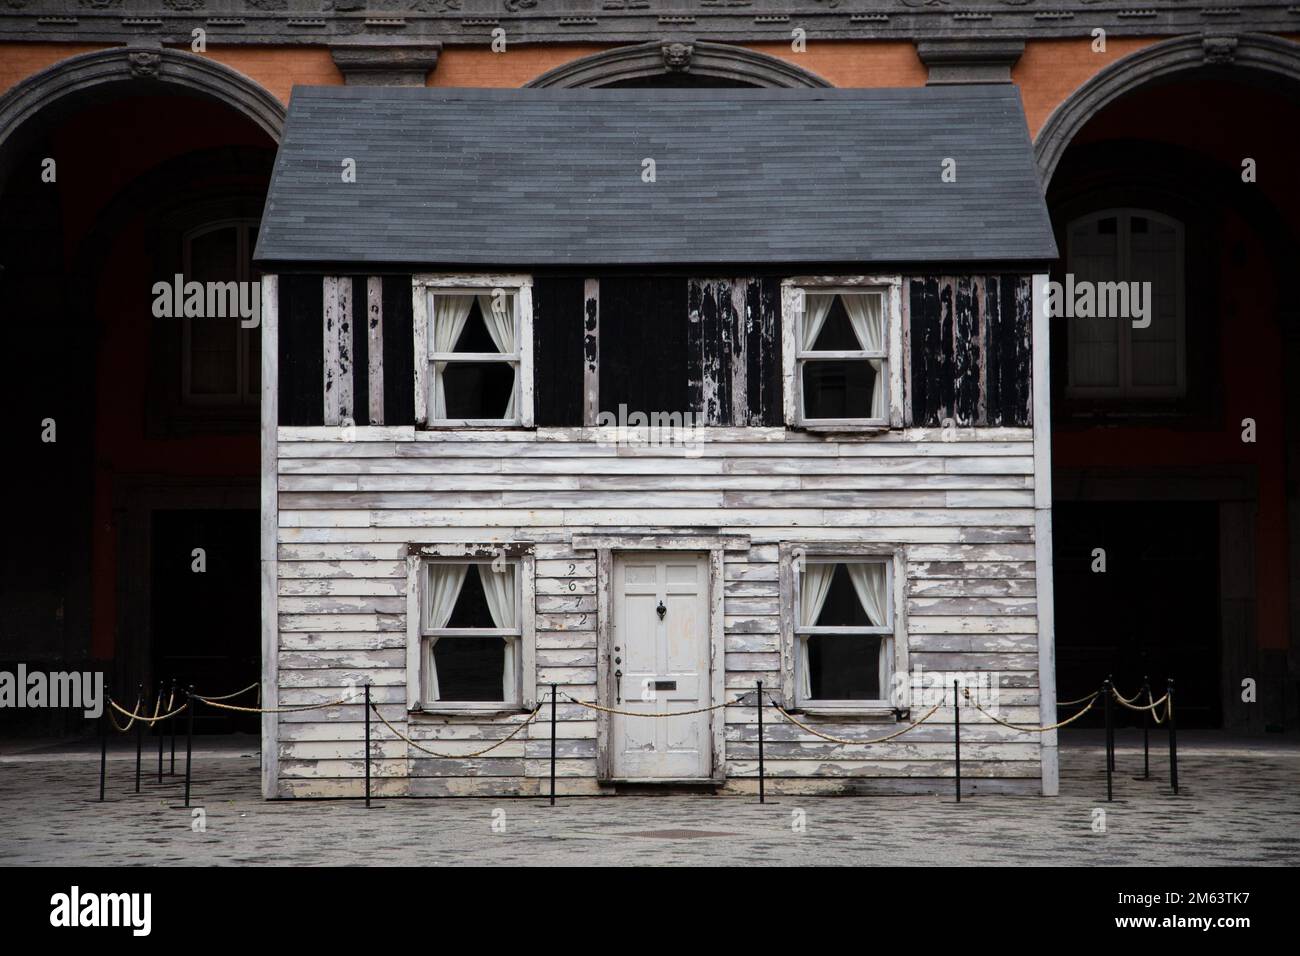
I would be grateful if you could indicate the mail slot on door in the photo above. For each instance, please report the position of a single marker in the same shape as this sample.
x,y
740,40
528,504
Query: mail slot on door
x,y
665,685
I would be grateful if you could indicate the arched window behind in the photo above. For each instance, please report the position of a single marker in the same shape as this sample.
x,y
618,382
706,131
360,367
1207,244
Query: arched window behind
x,y
220,362
1109,358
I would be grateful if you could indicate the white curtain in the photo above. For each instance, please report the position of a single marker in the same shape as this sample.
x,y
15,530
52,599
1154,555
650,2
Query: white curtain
x,y
499,589
449,315
814,585
445,582
501,326
816,308
866,313
869,582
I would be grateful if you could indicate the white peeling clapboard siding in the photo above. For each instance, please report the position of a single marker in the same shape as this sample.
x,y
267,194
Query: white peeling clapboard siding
x,y
962,510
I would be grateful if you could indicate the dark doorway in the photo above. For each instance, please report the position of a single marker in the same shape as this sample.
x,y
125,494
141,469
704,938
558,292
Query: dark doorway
x,y
205,625
1153,612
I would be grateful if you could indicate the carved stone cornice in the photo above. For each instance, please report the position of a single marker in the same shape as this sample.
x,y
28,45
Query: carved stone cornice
x,y
386,64
462,22
969,61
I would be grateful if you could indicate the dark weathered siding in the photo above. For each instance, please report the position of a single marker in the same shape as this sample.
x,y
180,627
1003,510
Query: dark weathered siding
x,y
301,350
643,344
734,343
399,352
557,351
969,351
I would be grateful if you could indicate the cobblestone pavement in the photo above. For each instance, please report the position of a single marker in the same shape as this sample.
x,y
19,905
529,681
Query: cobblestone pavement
x,y
1240,804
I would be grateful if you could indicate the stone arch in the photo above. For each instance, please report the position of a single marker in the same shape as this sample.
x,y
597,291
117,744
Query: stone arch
x,y
699,58
139,66
1251,51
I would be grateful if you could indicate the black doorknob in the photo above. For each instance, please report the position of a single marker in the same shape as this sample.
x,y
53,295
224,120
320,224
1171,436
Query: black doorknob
x,y
661,610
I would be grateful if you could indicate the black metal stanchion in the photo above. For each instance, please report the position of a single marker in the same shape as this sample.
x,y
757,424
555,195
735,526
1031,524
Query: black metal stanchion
x,y
367,745
1173,734
103,741
189,740
762,771
553,697
1110,741
1146,731
171,772
956,734
157,729
1110,730
139,739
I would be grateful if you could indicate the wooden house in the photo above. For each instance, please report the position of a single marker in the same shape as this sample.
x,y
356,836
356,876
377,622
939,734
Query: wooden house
x,y
649,396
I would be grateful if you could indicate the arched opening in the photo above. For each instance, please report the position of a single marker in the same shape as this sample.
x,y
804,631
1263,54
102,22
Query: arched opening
x,y
136,464
1175,426
700,64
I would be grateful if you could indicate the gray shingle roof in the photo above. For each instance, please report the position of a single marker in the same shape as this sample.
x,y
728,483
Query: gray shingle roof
x,y
541,177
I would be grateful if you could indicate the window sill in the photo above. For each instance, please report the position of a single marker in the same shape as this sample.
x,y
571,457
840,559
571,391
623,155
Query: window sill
x,y
491,710
865,428
874,714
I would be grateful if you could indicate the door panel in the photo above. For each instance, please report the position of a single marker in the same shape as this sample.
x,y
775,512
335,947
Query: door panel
x,y
661,666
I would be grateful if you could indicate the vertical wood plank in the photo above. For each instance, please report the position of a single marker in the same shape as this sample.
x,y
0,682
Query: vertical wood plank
x,y
604,673
420,338
268,534
330,293
739,325
375,348
590,351
343,374
966,354
695,349
525,383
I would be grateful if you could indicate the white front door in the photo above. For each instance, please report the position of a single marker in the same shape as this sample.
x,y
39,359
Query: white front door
x,y
661,666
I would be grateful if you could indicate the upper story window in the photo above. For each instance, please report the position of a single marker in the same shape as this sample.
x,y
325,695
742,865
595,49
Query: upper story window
x,y
839,373
220,359
474,339
1108,357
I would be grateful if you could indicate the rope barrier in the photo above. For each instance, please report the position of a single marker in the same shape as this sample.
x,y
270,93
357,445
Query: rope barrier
x,y
477,753
676,713
215,702
1125,700
235,694
134,716
156,718
1071,703
1023,728
1131,706
840,740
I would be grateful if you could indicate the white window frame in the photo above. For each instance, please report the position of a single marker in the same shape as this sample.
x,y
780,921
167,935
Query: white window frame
x,y
245,393
894,649
795,355
521,288
418,648
1123,255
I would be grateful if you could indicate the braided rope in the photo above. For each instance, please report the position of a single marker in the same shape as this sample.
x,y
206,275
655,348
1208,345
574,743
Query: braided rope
x,y
1071,703
156,718
235,694
1029,730
134,716
214,702
676,713
477,753
1131,706
1125,700
840,740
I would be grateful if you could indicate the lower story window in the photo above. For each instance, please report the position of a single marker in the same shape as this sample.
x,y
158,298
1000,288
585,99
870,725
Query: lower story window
x,y
844,633
471,632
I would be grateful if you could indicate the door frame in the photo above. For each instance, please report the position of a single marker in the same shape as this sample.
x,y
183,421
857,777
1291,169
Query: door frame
x,y
715,546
